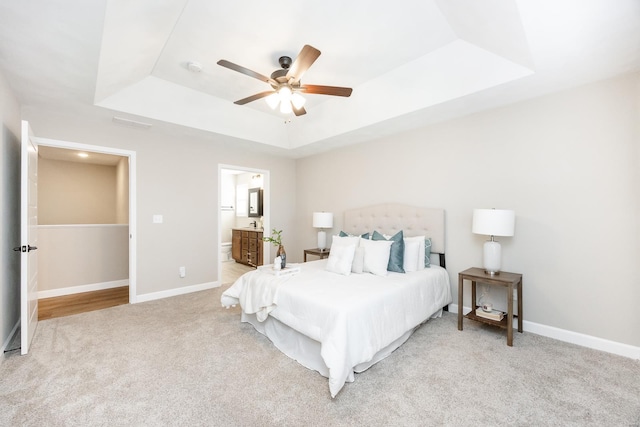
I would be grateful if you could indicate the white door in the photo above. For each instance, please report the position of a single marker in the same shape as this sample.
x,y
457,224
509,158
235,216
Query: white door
x,y
28,238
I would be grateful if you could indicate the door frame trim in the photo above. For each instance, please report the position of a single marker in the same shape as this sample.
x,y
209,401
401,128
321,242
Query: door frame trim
x,y
131,155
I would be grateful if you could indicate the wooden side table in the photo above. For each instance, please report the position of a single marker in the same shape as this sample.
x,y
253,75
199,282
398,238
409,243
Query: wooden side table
x,y
505,279
324,253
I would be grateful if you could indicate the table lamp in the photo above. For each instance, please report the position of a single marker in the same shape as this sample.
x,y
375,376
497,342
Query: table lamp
x,y
493,222
322,220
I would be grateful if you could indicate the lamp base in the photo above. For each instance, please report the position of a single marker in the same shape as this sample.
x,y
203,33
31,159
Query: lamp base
x,y
322,240
492,255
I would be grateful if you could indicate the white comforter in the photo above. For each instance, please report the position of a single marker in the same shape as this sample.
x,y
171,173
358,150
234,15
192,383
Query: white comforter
x,y
353,317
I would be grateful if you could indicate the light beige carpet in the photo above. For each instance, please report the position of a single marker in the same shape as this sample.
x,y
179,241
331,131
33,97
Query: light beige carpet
x,y
187,361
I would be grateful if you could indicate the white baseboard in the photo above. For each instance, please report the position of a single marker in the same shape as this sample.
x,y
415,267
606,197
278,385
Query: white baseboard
x,y
176,291
583,340
82,288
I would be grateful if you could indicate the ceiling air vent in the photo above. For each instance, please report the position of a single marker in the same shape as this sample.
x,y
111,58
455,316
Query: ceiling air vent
x,y
131,123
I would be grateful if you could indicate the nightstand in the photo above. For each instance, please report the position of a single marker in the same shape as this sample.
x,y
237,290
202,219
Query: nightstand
x,y
315,251
510,281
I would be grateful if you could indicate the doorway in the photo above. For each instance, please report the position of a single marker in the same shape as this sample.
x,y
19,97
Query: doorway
x,y
125,231
234,183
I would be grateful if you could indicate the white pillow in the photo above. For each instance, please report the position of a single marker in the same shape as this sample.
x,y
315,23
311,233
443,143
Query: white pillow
x,y
376,256
358,261
341,255
413,254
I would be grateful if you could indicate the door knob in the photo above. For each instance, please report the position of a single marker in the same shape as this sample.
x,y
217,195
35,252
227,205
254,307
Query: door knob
x,y
27,248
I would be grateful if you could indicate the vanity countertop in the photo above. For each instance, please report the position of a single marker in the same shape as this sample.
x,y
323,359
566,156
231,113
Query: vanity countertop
x,y
248,229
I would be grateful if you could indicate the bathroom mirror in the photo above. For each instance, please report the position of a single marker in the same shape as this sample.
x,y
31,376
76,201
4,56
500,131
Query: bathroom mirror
x,y
255,202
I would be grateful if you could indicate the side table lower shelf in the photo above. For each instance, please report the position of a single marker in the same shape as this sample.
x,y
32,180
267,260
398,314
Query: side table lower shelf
x,y
499,323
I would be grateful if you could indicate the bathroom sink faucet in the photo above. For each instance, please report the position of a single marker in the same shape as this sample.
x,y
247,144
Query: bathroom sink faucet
x,y
254,223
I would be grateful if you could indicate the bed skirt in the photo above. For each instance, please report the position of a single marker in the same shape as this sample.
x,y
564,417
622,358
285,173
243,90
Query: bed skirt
x,y
306,351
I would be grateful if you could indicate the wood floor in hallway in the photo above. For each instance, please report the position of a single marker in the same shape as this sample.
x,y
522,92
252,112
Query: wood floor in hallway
x,y
66,305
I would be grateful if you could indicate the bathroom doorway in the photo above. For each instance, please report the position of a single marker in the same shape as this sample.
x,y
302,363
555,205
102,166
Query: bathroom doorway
x,y
234,211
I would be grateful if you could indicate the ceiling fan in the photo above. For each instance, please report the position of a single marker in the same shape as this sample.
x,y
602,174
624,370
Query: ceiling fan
x,y
285,82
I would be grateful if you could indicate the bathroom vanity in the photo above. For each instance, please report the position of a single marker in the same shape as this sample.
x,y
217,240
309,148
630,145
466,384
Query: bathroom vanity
x,y
246,246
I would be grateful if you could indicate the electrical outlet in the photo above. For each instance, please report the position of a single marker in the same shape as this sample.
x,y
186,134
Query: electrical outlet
x,y
182,271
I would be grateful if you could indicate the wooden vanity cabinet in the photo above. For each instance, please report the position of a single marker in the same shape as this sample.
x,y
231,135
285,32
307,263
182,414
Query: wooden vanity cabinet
x,y
246,246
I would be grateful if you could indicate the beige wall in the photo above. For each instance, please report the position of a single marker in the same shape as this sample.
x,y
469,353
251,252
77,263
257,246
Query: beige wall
x,y
81,255
567,164
76,193
177,177
10,206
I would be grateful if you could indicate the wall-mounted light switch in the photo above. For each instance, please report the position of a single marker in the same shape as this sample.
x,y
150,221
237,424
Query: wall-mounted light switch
x,y
157,219
182,271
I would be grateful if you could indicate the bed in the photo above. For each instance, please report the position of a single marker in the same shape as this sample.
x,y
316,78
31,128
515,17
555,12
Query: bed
x,y
341,324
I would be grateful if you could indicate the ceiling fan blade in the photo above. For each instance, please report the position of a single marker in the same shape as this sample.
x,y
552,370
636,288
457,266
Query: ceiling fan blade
x,y
326,90
305,59
254,97
299,111
245,71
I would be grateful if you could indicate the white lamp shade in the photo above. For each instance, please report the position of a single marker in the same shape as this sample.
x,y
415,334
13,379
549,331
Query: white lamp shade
x,y
493,222
322,220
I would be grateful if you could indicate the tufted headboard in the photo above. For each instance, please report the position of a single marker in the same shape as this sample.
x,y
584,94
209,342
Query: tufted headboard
x,y
389,218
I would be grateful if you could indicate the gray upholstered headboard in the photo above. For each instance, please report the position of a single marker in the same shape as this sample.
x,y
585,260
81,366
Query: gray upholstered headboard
x,y
390,218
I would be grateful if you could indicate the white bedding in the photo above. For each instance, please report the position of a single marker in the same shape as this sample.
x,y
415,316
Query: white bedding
x,y
352,317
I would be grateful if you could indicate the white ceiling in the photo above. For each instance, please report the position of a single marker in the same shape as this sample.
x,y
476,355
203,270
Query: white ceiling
x,y
410,63
78,156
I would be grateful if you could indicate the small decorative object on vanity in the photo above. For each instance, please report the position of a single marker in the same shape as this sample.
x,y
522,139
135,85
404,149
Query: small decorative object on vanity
x,y
493,222
276,240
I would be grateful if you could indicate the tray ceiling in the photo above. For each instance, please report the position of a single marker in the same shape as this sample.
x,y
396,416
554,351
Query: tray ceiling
x,y
411,64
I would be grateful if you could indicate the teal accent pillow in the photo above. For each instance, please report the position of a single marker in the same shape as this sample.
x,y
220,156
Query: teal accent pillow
x,y
427,253
396,258
343,234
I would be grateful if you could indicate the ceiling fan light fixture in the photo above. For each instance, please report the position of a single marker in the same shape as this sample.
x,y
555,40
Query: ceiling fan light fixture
x,y
285,107
273,100
286,82
298,101
285,93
